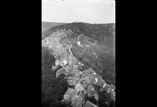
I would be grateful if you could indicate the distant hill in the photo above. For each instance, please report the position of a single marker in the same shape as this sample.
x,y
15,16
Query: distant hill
x,y
95,31
47,25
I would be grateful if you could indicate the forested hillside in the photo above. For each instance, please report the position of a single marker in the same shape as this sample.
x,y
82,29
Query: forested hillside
x,y
97,53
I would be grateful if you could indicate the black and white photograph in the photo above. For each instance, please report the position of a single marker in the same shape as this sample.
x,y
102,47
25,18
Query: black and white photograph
x,y
78,53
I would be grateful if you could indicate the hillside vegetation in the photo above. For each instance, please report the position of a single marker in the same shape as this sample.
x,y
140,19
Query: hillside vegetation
x,y
96,54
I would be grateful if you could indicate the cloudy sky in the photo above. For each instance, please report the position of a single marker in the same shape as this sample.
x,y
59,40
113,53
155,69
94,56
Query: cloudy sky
x,y
81,11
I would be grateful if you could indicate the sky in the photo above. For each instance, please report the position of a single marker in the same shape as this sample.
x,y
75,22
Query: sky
x,y
78,11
